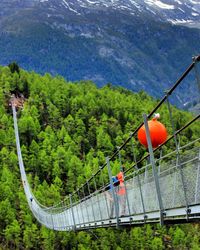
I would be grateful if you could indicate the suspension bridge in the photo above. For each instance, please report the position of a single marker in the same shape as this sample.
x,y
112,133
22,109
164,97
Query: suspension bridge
x,y
163,189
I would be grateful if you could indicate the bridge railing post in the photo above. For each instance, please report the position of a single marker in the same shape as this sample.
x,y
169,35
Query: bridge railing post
x,y
114,195
138,179
152,160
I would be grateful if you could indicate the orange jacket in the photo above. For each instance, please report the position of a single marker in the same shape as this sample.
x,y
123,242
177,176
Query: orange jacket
x,y
122,189
120,177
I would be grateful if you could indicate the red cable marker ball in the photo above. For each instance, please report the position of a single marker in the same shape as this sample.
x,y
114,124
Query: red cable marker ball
x,y
157,130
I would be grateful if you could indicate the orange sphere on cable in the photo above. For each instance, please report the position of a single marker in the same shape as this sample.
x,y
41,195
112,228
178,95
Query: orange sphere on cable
x,y
157,130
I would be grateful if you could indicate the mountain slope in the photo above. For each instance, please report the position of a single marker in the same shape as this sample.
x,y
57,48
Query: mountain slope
x,y
128,43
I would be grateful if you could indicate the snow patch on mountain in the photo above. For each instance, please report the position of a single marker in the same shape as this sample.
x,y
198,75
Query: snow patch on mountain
x,y
177,1
160,4
184,12
195,14
194,2
66,4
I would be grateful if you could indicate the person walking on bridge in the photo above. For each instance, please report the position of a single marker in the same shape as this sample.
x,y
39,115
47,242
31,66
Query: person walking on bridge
x,y
121,194
110,197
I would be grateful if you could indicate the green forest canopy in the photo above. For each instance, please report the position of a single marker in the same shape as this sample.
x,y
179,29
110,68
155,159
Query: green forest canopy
x,y
66,131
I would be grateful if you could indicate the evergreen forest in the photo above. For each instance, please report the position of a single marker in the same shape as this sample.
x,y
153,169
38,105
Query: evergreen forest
x,y
66,131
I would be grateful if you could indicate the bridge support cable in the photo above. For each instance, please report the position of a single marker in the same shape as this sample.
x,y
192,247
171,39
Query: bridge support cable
x,y
116,204
187,71
156,180
138,180
125,186
172,125
196,61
